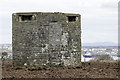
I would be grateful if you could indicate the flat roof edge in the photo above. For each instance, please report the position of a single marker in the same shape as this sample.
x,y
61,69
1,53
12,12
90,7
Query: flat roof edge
x,y
46,13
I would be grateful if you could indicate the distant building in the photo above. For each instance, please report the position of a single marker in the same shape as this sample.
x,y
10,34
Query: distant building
x,y
46,39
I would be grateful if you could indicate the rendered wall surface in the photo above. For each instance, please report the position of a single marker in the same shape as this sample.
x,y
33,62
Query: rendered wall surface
x,y
46,39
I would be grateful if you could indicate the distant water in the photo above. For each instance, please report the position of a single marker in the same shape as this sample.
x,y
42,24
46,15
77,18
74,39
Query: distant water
x,y
83,59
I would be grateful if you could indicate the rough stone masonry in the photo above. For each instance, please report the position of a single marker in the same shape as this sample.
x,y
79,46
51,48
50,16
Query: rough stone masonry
x,y
47,39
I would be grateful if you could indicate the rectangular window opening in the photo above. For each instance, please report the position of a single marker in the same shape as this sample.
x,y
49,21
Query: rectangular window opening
x,y
26,17
71,18
54,21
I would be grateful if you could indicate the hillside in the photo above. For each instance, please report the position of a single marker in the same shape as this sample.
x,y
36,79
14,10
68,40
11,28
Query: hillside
x,y
87,70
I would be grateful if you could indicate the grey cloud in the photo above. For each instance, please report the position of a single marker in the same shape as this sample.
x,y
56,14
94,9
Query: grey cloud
x,y
109,5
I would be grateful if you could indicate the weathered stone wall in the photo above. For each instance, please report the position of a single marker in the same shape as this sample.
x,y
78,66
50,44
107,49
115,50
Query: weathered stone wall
x,y
46,39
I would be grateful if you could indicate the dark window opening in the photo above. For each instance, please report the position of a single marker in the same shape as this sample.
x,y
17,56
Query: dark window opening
x,y
53,21
71,18
25,17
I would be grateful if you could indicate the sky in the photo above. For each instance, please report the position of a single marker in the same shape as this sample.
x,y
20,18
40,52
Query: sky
x,y
99,18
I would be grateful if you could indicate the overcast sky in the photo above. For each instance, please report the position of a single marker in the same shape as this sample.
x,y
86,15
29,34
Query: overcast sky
x,y
99,17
